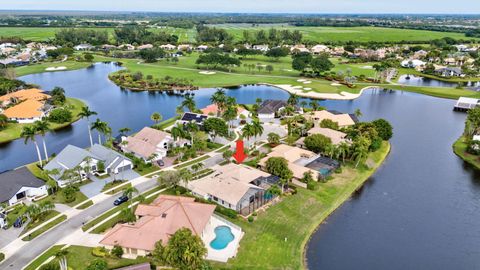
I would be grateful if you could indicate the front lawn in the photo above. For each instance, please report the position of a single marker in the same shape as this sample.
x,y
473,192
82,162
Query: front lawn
x,y
276,240
80,257
45,228
44,217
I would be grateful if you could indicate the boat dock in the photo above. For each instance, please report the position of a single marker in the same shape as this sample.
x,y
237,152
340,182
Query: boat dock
x,y
464,104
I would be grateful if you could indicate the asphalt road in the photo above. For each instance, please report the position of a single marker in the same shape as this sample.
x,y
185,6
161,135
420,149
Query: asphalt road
x,y
42,243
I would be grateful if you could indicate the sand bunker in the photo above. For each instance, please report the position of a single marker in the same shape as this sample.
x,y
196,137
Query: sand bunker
x,y
367,67
307,88
55,68
301,80
335,84
307,82
297,87
207,72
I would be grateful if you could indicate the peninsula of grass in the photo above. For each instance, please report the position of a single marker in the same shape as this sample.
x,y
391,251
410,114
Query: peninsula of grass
x,y
42,67
45,228
283,230
13,130
460,149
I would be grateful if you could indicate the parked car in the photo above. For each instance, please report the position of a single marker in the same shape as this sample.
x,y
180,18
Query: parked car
x,y
18,222
160,163
120,200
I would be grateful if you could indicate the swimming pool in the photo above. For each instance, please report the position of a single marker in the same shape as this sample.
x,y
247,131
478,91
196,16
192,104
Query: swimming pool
x,y
324,171
223,237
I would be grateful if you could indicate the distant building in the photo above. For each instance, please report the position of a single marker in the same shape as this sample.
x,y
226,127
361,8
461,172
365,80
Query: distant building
x,y
342,119
84,47
271,108
319,49
149,144
168,47
262,47
449,72
26,106
145,47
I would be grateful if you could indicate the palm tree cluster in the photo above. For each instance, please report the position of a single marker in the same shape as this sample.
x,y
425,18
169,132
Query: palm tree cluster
x,y
35,211
252,130
29,134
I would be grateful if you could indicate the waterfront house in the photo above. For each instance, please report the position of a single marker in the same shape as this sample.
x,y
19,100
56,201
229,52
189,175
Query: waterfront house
x,y
335,136
158,221
236,187
212,110
189,117
87,161
300,48
185,47
413,63
19,185
128,47
342,119
25,106
261,47
449,72
202,48
270,109
149,144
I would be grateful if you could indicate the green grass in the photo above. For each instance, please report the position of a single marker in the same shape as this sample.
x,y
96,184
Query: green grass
x,y
13,130
2,257
36,171
45,228
117,189
112,211
295,218
165,124
343,34
46,216
460,149
42,258
442,92
191,162
41,67
80,257
85,205
58,197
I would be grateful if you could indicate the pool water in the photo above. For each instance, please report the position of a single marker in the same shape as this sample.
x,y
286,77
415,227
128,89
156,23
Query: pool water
x,y
324,171
223,237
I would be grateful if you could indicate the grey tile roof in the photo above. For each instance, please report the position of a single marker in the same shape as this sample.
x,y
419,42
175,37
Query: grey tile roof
x,y
68,158
12,181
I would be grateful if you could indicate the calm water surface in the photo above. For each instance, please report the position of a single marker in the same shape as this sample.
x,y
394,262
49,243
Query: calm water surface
x,y
421,210
422,81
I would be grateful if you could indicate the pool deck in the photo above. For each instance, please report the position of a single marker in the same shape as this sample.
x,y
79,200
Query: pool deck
x,y
209,235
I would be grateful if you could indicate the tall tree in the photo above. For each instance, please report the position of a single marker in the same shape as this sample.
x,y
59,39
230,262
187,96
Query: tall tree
x,y
156,117
189,103
219,98
86,113
42,127
28,134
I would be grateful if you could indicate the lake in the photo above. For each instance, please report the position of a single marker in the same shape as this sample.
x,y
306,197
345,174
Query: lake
x,y
422,81
419,211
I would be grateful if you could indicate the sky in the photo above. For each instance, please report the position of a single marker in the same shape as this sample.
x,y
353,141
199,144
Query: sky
x,y
256,6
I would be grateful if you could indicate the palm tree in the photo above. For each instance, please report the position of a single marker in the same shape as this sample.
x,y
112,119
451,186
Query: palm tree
x,y
156,117
86,113
248,131
196,167
186,176
3,120
330,150
358,113
343,150
314,104
42,127
129,192
28,134
61,256
359,154
258,101
293,100
101,128
124,131
178,132
192,127
257,128
189,103
220,99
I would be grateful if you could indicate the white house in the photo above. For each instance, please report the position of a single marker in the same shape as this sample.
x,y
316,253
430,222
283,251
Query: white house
x,y
87,161
202,48
168,47
319,49
413,63
19,185
261,47
83,47
149,144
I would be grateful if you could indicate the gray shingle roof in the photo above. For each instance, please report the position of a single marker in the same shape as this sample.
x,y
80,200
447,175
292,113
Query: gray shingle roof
x,y
12,181
68,158
107,155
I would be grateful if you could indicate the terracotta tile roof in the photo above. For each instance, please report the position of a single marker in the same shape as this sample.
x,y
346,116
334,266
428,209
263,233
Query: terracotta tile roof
x,y
25,109
27,94
159,221
213,109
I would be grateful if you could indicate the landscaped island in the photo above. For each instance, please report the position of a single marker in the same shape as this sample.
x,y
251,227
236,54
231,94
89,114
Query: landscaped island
x,y
467,146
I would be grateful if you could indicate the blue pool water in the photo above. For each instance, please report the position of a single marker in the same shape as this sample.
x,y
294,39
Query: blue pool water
x,y
224,236
324,171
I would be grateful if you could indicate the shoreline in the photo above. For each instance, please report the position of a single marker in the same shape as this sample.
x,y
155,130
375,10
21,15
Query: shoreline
x,y
459,148
346,196
57,127
316,95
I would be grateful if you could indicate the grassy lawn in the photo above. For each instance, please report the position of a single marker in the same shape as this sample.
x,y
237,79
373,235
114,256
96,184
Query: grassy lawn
x,y
295,218
46,216
118,188
460,149
58,197
112,211
13,130
42,258
45,228
191,162
80,257
41,67
85,205
165,124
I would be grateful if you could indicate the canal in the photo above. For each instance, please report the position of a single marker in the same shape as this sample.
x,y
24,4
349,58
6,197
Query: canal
x,y
419,211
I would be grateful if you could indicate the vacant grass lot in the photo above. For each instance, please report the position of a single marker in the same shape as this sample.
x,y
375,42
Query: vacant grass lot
x,y
295,218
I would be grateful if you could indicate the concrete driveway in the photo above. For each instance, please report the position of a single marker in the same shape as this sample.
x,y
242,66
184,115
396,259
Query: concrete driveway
x,y
7,236
268,128
97,184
